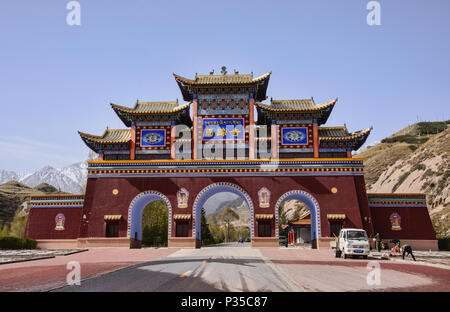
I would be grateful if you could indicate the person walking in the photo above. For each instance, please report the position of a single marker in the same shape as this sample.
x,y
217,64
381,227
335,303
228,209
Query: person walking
x,y
408,250
378,242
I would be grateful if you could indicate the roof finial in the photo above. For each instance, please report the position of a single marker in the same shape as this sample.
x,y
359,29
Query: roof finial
x,y
224,70
236,72
211,72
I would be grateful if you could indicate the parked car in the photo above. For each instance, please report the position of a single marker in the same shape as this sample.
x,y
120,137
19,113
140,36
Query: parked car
x,y
240,240
352,242
247,240
283,241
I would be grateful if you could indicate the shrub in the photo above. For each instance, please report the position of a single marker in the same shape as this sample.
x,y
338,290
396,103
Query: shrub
x,y
419,166
10,242
431,127
412,147
407,138
444,243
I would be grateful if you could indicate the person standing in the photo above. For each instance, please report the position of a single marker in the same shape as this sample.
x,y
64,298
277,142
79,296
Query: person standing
x,y
378,242
408,250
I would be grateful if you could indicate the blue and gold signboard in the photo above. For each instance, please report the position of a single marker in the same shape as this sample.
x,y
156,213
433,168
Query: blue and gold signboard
x,y
154,137
223,129
294,136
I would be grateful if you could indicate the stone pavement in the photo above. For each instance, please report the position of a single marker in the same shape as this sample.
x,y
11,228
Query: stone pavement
x,y
319,270
41,275
11,256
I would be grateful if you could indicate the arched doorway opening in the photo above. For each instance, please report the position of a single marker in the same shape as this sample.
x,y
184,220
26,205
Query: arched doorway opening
x,y
154,224
212,190
225,221
135,213
311,217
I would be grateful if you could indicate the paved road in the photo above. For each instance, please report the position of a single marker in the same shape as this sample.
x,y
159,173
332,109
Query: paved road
x,y
220,268
206,269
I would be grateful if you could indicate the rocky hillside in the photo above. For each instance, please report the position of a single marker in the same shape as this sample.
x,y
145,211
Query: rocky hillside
x,y
414,160
14,199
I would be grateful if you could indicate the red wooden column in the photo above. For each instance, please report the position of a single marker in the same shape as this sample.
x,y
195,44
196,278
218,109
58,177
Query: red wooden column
x,y
173,135
274,140
316,140
349,154
194,130
100,157
133,143
251,130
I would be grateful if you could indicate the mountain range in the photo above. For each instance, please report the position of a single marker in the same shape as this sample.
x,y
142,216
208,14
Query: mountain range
x,y
69,179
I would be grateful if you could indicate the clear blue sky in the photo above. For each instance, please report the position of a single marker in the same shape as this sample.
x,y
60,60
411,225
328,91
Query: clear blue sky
x,y
57,79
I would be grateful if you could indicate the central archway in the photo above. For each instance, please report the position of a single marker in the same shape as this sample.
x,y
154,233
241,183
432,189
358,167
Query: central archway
x,y
211,190
137,205
312,205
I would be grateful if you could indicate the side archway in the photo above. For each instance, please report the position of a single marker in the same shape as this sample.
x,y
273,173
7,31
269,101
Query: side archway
x,y
209,191
137,205
312,205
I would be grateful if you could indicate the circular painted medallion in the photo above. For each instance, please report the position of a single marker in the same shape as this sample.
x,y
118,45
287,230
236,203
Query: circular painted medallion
x,y
152,138
294,136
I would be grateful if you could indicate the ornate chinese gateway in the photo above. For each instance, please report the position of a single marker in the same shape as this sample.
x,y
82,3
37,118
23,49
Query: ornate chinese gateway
x,y
225,136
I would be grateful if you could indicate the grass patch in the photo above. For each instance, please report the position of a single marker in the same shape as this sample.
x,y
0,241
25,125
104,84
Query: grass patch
x,y
400,180
9,242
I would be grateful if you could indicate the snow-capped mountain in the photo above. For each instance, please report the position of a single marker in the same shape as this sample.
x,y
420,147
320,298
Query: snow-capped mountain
x,y
70,179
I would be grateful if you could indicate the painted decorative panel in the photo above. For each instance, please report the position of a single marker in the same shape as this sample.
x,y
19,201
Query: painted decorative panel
x,y
182,198
294,136
223,129
264,197
395,221
60,219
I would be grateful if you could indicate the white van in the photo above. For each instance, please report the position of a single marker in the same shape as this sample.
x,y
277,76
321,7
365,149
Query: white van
x,y
352,242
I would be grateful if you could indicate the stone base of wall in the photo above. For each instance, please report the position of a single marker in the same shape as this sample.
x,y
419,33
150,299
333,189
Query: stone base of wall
x,y
83,243
183,242
416,244
259,242
324,242
57,244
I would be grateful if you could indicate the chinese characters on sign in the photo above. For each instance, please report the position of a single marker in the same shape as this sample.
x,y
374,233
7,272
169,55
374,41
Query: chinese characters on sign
x,y
223,129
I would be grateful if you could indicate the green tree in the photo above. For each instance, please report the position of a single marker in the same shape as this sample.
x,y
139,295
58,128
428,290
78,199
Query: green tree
x,y
206,233
282,220
228,216
216,230
4,232
155,224
18,226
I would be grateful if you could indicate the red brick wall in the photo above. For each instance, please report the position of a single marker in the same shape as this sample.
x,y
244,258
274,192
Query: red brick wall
x,y
100,201
415,223
41,223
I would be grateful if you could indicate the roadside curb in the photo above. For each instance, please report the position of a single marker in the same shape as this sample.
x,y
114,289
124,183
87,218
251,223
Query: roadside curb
x,y
26,260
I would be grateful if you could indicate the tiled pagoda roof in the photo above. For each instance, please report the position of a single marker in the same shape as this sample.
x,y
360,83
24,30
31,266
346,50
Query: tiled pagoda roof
x,y
148,108
245,80
218,80
127,114
301,106
341,134
110,136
